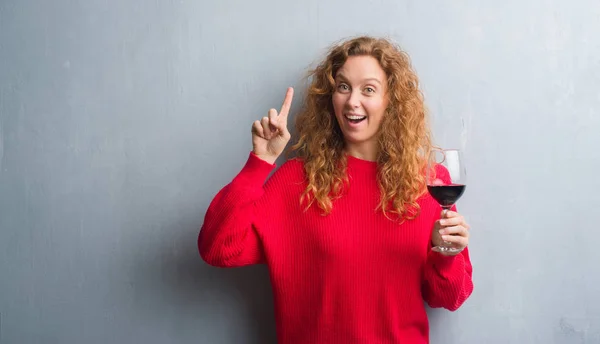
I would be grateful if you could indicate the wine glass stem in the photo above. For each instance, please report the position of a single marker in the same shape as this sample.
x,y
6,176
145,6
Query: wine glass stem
x,y
444,211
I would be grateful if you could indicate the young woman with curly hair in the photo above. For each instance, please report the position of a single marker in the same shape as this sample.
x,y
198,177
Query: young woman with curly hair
x,y
346,227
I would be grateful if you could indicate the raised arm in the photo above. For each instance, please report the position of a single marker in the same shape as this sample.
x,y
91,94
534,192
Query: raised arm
x,y
228,236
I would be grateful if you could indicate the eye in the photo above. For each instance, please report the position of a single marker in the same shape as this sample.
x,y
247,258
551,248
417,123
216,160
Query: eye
x,y
343,87
369,89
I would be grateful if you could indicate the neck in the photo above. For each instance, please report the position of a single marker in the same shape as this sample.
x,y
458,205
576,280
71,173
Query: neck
x,y
364,150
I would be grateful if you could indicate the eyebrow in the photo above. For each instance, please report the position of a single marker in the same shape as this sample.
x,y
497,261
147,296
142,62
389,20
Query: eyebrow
x,y
341,76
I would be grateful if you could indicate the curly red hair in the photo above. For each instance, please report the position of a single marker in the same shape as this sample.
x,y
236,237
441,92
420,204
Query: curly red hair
x,y
403,138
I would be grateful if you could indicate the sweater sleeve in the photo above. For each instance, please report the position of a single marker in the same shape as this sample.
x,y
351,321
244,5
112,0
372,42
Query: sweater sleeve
x,y
228,237
447,280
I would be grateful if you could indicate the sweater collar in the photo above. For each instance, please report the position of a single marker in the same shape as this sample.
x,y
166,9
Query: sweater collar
x,y
361,165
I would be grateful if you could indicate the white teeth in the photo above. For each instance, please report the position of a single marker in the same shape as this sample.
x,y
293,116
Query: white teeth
x,y
356,117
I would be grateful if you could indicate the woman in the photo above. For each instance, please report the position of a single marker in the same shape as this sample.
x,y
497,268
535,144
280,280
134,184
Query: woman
x,y
346,227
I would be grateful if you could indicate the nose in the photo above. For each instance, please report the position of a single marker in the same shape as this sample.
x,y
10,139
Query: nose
x,y
353,100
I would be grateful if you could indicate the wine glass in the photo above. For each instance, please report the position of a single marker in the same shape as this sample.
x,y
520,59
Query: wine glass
x,y
446,182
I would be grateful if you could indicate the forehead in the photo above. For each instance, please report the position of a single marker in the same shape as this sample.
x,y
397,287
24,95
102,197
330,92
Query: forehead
x,y
361,67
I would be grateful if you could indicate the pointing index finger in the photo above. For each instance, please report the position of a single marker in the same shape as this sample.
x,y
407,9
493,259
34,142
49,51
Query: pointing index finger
x,y
287,103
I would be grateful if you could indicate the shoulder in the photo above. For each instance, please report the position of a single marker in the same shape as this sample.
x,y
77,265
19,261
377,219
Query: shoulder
x,y
290,172
293,164
285,185
442,173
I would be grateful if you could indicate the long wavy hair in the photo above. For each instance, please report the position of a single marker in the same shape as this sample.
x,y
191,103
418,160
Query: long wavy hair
x,y
404,137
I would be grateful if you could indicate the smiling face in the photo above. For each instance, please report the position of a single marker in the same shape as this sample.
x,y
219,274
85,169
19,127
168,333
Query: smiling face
x,y
360,102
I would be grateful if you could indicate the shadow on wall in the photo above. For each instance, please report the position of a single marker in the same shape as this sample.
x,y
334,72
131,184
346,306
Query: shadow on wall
x,y
235,304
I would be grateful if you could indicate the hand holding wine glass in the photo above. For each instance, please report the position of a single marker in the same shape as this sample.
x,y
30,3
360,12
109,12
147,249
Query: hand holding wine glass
x,y
446,182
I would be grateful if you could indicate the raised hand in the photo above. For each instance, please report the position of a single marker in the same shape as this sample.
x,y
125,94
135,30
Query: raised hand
x,y
270,135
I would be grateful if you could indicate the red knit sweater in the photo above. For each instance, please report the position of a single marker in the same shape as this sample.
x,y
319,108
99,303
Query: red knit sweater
x,y
352,276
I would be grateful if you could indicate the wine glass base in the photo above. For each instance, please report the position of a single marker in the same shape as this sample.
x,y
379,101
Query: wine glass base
x,y
445,249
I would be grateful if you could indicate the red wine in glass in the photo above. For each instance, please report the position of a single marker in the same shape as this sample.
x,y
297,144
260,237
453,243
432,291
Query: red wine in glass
x,y
446,195
446,182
